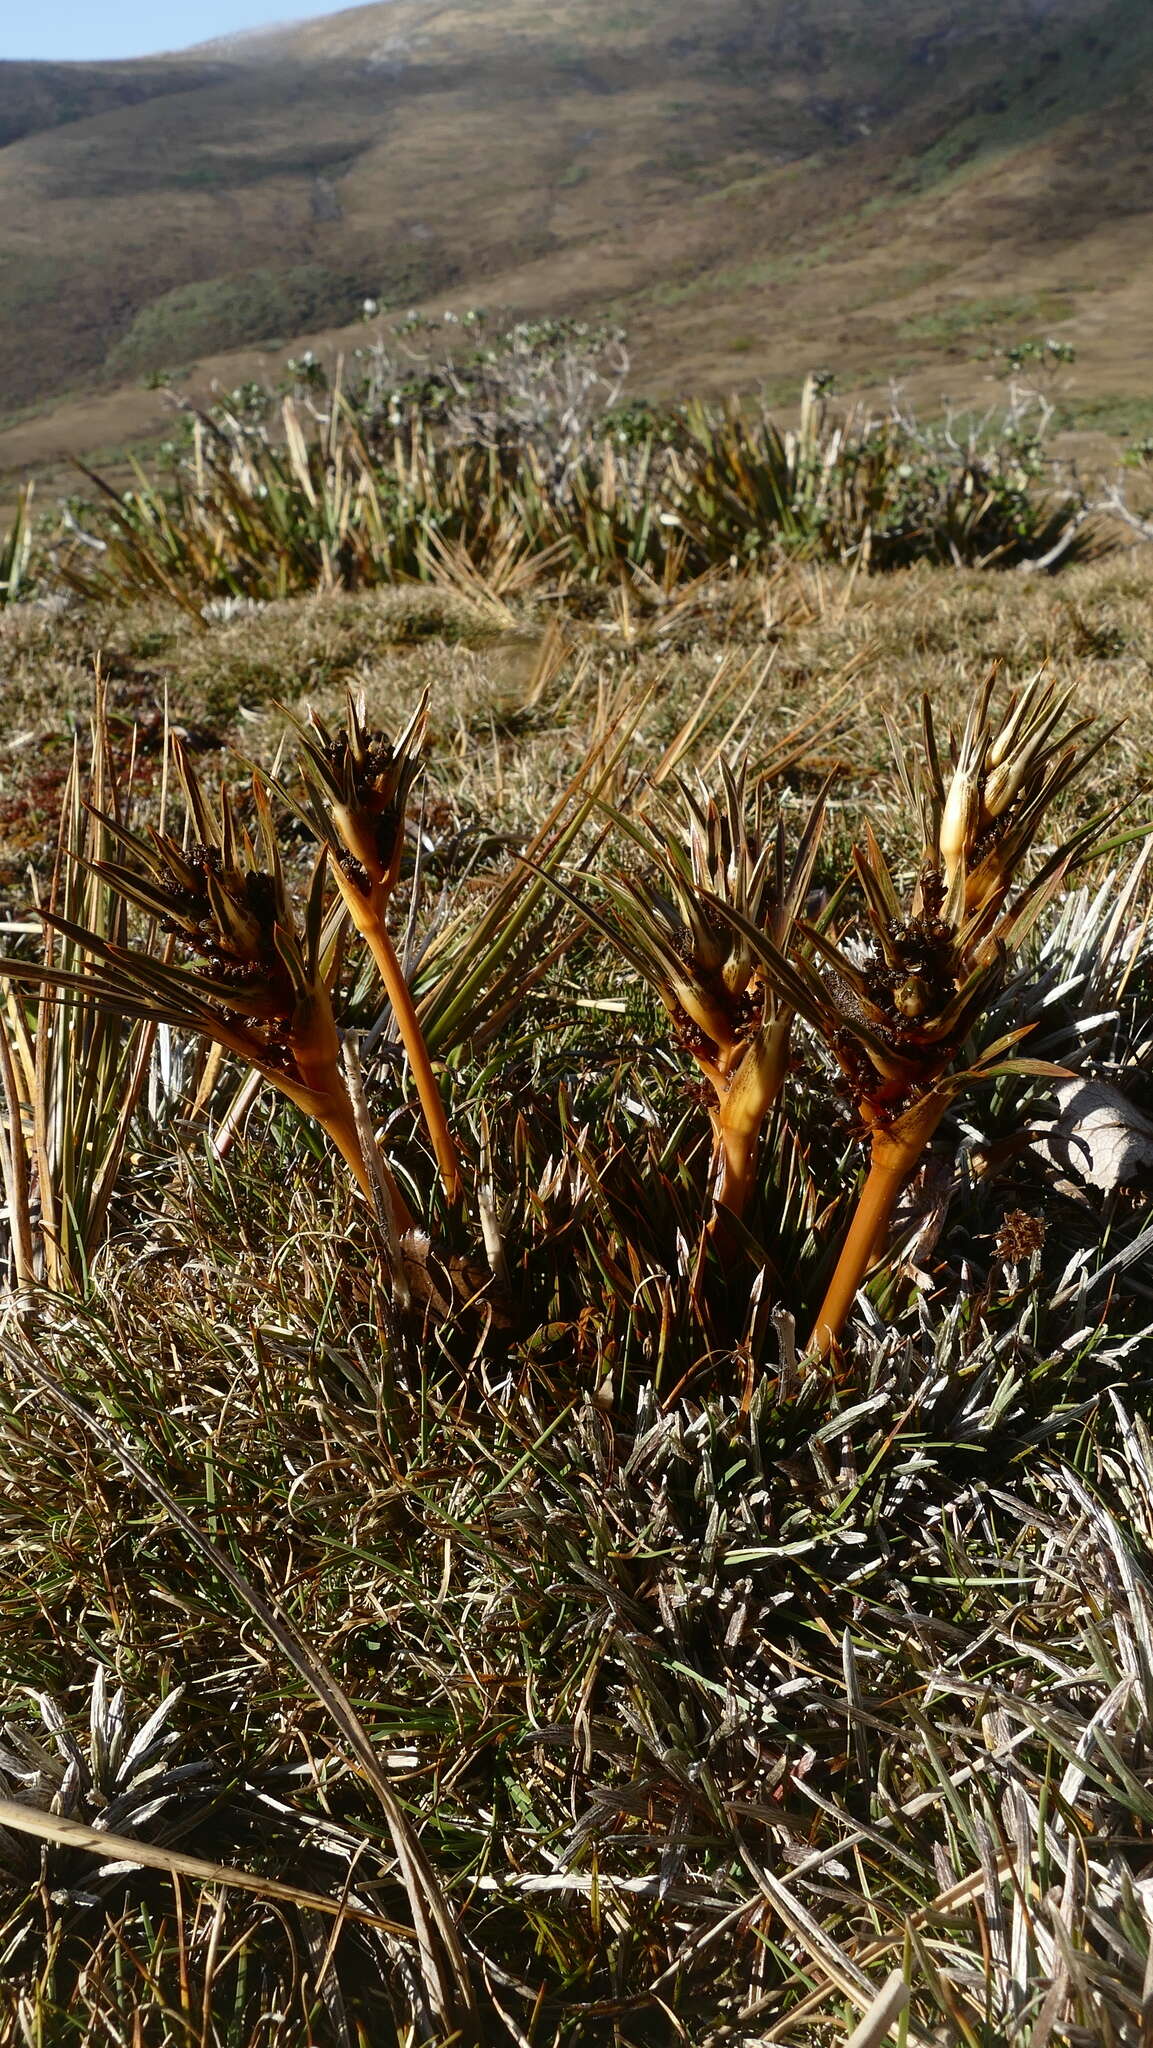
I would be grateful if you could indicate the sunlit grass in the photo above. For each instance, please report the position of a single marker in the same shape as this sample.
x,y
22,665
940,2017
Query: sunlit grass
x,y
618,1673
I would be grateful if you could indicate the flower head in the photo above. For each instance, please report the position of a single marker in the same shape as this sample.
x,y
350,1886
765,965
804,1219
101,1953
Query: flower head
x,y
256,982
358,781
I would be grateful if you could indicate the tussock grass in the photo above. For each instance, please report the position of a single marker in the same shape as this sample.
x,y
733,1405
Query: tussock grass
x,y
512,462
715,1685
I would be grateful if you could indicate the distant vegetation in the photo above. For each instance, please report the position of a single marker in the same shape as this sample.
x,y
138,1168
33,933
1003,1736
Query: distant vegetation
x,y
514,454
223,312
872,183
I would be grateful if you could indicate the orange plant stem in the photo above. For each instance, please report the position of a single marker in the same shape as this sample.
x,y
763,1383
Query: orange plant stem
x,y
896,1152
746,1093
376,937
737,1163
737,1156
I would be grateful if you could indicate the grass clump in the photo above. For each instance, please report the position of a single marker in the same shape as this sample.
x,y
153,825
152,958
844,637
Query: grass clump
x,y
558,1648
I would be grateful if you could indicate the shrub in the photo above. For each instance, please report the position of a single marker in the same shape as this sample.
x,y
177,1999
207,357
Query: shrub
x,y
226,312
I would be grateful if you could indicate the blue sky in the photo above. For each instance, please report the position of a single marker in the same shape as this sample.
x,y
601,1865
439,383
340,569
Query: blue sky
x,y
74,29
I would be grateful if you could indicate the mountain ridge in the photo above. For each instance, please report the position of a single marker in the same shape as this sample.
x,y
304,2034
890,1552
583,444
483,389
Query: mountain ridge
x,y
877,183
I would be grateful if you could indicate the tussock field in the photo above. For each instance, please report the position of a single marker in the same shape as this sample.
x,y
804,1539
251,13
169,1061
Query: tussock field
x,y
556,1640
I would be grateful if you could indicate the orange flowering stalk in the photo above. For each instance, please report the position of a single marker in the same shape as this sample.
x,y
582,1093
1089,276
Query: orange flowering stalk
x,y
730,1017
897,1004
357,781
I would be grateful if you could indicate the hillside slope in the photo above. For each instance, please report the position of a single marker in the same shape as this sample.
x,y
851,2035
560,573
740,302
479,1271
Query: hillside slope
x,y
871,183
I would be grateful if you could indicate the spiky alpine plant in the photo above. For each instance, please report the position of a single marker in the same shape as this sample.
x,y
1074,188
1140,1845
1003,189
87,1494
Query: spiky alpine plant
x,y
255,983
897,997
120,1779
357,782
711,852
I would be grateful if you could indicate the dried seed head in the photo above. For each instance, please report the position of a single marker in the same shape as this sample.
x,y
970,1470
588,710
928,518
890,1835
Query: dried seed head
x,y
361,778
1019,1236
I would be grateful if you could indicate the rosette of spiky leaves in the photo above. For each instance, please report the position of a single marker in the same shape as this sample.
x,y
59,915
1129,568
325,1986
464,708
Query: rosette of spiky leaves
x,y
120,1776
116,1777
363,779
978,826
357,782
897,997
726,1014
255,984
